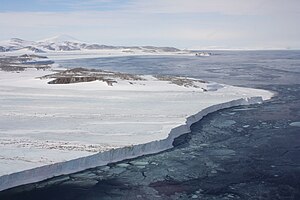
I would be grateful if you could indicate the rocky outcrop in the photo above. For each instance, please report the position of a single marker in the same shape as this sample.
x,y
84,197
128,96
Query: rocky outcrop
x,y
181,81
74,79
34,49
78,75
25,61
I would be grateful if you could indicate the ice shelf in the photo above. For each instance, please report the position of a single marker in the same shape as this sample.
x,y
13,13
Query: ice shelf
x,y
48,130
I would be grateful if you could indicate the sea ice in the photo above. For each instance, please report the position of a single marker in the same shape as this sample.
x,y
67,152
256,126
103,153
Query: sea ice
x,y
295,124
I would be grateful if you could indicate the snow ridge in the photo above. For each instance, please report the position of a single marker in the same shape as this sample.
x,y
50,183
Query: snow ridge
x,y
60,39
67,43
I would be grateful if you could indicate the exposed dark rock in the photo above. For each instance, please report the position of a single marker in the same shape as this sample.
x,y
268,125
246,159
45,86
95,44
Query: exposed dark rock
x,y
2,49
34,49
67,80
32,56
78,75
20,63
181,81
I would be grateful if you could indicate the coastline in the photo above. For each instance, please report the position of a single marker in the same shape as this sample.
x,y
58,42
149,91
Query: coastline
x,y
115,155
85,103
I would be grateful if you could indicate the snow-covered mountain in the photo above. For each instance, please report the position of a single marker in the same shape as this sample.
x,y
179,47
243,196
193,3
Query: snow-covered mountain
x,y
60,39
68,43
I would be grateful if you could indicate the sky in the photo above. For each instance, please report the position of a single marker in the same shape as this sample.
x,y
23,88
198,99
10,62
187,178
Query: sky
x,y
186,24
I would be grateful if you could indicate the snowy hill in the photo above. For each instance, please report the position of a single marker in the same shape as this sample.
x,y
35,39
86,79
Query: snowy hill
x,y
60,39
68,43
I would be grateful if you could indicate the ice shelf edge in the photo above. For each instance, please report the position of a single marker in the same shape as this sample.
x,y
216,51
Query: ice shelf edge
x,y
115,155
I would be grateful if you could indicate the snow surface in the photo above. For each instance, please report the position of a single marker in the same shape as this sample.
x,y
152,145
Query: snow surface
x,y
67,47
60,39
48,129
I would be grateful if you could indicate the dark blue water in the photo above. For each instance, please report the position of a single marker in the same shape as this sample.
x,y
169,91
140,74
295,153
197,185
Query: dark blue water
x,y
246,152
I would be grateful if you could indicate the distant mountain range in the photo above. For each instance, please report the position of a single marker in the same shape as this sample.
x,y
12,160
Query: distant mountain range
x,y
68,43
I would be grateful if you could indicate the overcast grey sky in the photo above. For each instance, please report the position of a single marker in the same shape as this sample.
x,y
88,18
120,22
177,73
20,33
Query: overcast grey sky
x,y
223,24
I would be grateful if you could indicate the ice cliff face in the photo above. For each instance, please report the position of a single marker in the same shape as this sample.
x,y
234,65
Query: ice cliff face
x,y
114,155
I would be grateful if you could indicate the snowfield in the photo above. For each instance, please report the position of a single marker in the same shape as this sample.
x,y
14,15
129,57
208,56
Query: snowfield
x,y
64,47
52,129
